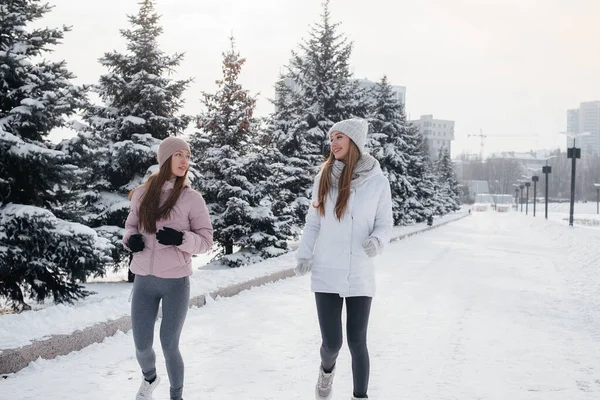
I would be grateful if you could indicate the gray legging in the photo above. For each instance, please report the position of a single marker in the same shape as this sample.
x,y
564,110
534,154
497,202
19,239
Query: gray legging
x,y
358,309
147,294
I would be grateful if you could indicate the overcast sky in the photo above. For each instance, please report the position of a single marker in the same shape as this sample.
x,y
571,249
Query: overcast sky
x,y
507,67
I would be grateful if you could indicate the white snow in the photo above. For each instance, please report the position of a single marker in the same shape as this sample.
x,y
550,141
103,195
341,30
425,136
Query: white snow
x,y
107,199
134,120
130,146
65,228
21,211
33,103
111,300
99,121
21,110
495,307
73,228
20,48
22,148
584,213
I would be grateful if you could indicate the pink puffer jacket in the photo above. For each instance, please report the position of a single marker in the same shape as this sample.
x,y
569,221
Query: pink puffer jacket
x,y
189,216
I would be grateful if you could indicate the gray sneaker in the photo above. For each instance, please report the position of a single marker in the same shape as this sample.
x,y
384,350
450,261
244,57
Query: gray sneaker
x,y
323,389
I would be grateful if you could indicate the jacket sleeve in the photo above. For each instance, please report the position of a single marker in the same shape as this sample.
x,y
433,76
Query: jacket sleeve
x,y
384,220
312,227
199,239
131,224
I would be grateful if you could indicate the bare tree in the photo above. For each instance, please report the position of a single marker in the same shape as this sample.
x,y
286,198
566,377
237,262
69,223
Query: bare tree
x,y
588,173
502,174
560,178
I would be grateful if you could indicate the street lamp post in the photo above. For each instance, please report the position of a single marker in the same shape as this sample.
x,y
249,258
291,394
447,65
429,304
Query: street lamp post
x,y
527,184
597,197
535,180
517,198
521,186
573,153
546,170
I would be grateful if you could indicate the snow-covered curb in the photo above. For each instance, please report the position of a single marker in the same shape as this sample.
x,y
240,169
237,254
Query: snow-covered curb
x,y
16,359
13,360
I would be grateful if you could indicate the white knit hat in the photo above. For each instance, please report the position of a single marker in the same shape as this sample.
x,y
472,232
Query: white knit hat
x,y
355,128
170,146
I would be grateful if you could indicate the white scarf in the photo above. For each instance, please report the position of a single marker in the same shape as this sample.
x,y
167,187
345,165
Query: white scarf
x,y
366,163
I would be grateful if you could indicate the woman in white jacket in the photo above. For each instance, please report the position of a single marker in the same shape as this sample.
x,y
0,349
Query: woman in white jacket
x,y
348,224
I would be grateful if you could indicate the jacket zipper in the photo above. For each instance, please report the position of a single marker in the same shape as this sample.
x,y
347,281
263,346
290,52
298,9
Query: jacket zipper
x,y
353,195
152,255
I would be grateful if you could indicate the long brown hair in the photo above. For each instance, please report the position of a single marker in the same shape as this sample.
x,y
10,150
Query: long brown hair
x,y
150,209
343,185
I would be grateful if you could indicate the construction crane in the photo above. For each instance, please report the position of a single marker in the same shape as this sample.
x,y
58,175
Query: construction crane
x,y
482,137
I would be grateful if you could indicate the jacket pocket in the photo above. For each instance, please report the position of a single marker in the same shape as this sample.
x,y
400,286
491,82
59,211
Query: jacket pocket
x,y
187,257
140,262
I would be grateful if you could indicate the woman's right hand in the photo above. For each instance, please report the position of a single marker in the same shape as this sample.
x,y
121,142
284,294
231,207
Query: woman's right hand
x,y
302,267
136,243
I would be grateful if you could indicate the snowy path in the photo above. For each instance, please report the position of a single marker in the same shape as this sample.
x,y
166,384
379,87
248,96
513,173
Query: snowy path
x,y
488,307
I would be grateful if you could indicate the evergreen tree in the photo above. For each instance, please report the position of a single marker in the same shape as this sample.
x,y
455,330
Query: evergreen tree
x,y
448,184
316,91
118,145
285,134
139,96
389,143
236,171
41,253
421,176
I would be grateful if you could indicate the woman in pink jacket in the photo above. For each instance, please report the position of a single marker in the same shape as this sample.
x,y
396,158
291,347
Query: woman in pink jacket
x,y
168,222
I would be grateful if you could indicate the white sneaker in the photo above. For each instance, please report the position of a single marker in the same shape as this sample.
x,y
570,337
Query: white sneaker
x,y
323,389
146,389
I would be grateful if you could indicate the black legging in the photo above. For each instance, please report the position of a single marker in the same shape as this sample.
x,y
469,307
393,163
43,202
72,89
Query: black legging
x,y
329,310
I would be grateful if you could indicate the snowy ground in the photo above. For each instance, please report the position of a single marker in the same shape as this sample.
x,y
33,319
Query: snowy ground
x,y
585,214
496,306
111,299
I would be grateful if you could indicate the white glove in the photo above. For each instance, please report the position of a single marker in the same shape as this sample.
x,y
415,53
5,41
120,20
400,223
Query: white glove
x,y
302,267
371,246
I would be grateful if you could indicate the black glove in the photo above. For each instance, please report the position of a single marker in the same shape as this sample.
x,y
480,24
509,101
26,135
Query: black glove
x,y
169,237
136,243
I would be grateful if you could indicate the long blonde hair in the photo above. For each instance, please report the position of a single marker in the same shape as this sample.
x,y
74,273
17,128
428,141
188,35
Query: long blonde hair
x,y
341,202
150,209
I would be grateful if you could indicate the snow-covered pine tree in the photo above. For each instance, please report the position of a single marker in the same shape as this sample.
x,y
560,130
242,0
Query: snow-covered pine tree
x,y
235,171
449,189
285,128
316,91
140,108
389,145
42,255
420,175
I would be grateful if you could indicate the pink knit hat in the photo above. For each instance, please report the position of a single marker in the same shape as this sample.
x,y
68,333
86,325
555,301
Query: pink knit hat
x,y
170,146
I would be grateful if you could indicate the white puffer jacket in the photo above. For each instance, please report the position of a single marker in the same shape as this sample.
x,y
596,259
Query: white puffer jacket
x,y
339,262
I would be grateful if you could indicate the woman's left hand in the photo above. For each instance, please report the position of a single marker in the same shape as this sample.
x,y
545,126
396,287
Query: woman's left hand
x,y
371,246
169,237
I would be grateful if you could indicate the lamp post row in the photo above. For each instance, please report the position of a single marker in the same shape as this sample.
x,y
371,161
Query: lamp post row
x,y
573,153
546,170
